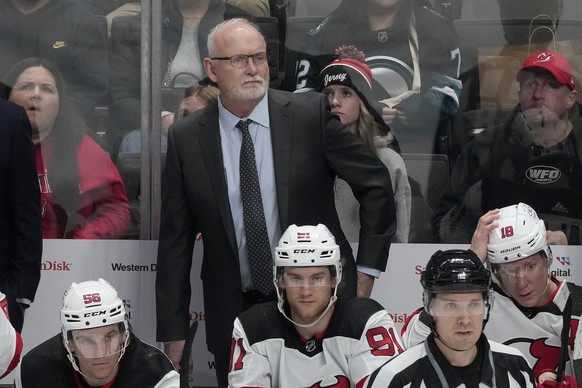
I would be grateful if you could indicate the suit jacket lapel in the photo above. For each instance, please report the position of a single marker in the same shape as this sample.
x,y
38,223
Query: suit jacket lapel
x,y
210,146
281,121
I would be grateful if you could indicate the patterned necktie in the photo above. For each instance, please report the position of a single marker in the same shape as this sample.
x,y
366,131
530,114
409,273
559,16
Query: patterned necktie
x,y
258,247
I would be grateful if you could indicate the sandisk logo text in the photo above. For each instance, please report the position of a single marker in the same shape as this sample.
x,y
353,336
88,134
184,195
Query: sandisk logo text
x,y
55,265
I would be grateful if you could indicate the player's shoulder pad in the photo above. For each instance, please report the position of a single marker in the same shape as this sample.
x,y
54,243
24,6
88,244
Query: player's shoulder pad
x,y
263,321
576,295
351,315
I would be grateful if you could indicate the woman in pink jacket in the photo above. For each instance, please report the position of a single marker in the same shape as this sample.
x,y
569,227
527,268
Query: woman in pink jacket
x,y
82,194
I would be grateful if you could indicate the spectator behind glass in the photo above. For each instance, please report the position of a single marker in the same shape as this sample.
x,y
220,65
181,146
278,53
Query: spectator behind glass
x,y
414,57
347,83
96,347
254,7
195,98
185,26
66,34
82,195
533,156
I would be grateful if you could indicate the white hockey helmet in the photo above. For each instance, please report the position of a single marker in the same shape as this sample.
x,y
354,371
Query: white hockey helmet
x,y
520,234
307,246
92,304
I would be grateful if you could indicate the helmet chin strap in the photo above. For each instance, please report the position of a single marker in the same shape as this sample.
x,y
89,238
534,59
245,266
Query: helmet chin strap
x,y
280,303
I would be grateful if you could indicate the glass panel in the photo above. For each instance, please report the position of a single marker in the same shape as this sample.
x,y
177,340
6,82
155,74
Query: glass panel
x,y
56,61
424,120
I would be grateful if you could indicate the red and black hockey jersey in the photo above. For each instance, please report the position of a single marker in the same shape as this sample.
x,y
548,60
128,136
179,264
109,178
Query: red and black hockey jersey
x,y
268,352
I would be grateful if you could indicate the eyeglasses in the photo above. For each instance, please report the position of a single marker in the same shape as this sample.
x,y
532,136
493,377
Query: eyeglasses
x,y
291,280
525,269
240,61
441,307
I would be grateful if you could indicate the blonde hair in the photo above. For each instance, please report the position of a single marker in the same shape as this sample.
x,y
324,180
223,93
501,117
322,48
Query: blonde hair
x,y
367,128
207,93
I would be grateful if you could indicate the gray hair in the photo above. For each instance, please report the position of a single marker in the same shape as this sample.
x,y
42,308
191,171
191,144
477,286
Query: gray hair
x,y
211,42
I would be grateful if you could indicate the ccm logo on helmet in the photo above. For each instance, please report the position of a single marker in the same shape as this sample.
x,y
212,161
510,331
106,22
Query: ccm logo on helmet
x,y
95,313
543,174
303,250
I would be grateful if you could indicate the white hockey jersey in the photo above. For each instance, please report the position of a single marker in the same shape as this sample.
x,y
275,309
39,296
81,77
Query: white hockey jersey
x,y
267,351
534,331
10,341
424,365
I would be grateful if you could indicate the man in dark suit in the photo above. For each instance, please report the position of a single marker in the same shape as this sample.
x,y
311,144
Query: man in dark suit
x,y
300,148
20,218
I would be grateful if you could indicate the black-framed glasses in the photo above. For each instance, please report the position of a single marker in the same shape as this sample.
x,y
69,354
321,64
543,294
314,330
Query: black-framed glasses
x,y
240,61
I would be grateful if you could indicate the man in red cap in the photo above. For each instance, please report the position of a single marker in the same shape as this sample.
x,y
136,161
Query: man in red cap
x,y
533,156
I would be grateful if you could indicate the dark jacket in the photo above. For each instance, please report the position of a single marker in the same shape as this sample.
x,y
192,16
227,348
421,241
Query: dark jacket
x,y
310,147
68,36
20,217
498,168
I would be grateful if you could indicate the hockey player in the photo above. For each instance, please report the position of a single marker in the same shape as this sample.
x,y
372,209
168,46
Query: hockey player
x,y
96,347
457,301
309,338
10,341
532,312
